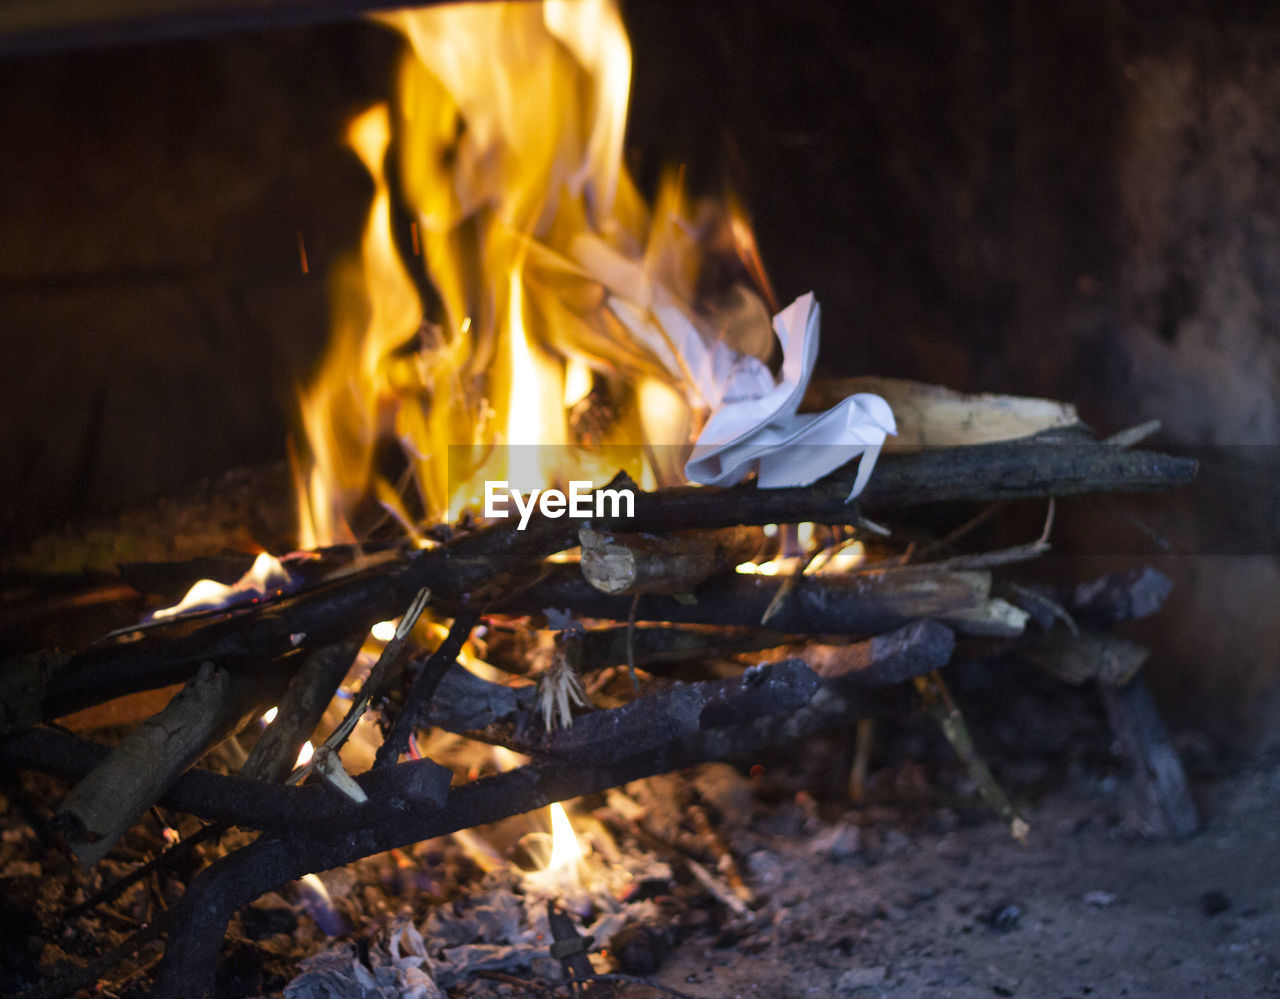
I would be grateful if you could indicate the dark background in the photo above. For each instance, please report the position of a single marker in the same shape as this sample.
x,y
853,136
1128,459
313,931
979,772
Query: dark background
x,y
1076,200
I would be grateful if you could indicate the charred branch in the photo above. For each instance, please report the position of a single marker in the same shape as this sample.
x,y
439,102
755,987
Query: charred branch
x,y
863,603
322,615
201,917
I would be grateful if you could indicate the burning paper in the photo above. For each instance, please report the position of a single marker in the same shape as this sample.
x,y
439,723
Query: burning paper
x,y
754,425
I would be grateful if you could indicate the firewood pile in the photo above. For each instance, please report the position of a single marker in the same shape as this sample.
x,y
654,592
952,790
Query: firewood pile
x,y
652,647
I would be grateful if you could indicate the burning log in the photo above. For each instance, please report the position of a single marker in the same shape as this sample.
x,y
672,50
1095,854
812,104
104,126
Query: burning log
x,y
200,918
326,613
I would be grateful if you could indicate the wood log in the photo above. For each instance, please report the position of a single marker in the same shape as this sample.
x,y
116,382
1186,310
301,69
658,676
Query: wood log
x,y
300,710
863,603
137,772
936,416
323,614
663,563
885,659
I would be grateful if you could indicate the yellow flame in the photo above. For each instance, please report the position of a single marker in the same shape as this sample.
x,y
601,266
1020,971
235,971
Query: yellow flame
x,y
507,136
304,754
264,577
566,853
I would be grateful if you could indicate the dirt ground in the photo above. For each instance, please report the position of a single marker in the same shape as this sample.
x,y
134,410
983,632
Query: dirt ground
x,y
1084,909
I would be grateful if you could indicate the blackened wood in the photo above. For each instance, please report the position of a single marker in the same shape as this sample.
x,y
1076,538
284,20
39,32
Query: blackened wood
x,y
657,648
301,707
919,648
424,686
1119,596
865,603
323,614
1167,807
60,25
200,918
250,804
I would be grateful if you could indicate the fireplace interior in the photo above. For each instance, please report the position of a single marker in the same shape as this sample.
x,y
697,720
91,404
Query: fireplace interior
x,y
1073,202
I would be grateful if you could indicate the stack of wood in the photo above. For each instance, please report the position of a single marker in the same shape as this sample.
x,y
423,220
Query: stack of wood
x,y
658,595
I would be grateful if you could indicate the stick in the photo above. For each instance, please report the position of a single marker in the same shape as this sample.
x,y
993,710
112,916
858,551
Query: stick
x,y
322,615
200,918
938,703
105,803
424,687
668,563
656,648
300,710
864,603
885,659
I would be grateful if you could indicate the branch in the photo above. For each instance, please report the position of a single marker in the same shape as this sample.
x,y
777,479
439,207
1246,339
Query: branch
x,y
324,614
745,708
136,773
860,603
240,801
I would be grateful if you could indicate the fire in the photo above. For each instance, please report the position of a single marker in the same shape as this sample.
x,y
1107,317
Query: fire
x,y
522,361
566,854
266,576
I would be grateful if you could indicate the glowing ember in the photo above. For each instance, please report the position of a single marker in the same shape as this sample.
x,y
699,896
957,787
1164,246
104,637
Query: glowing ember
x,y
266,577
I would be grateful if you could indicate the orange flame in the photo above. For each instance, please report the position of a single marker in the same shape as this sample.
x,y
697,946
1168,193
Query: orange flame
x,y
507,135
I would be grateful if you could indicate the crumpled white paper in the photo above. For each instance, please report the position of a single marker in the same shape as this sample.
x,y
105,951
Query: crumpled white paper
x,y
754,425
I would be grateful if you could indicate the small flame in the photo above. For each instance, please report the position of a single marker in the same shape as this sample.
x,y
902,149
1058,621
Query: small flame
x,y
384,631
265,576
304,754
846,558
566,853
270,715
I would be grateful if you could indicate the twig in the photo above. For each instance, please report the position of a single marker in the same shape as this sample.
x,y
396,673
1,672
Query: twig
x,y
1133,435
1005,556
375,685
322,615
424,686
937,701
862,746
202,914
861,603
300,710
